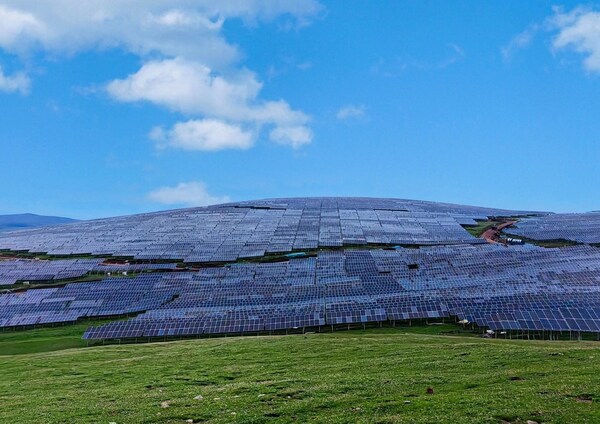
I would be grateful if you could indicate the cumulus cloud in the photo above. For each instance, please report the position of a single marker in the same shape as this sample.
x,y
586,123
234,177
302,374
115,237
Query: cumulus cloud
x,y
186,194
17,83
204,135
189,28
191,88
19,29
292,136
186,86
579,30
350,112
194,70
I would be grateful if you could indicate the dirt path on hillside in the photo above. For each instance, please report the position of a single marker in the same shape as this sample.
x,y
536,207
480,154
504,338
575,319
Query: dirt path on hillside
x,y
491,235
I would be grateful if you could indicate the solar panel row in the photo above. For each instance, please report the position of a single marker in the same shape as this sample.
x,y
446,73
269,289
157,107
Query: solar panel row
x,y
111,297
578,227
12,271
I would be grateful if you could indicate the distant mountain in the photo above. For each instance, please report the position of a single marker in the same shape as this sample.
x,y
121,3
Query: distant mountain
x,y
29,220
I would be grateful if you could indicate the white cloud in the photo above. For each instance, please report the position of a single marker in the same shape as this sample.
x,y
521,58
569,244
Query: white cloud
x,y
394,67
187,87
579,30
205,134
187,194
18,82
191,88
19,29
350,112
292,136
194,70
189,28
519,42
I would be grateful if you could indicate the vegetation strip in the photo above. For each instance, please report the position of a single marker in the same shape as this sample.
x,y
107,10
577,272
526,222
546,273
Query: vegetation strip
x,y
411,375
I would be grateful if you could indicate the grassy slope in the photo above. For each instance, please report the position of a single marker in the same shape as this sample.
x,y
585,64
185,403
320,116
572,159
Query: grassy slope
x,y
356,376
480,228
44,339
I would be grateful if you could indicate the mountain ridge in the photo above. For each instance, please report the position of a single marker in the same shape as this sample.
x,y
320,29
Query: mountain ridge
x,y
23,221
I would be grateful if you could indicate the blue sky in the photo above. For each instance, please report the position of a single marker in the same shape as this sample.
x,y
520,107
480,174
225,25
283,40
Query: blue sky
x,y
117,107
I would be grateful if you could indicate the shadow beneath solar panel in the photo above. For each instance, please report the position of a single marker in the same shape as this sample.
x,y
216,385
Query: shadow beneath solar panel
x,y
47,338
543,243
25,285
430,327
267,257
52,337
6,254
433,327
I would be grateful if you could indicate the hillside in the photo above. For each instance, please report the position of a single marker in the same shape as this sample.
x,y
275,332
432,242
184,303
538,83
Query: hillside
x,y
381,375
29,220
265,266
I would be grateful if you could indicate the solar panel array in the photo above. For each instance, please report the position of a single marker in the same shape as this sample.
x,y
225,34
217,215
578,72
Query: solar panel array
x,y
451,274
12,271
228,232
579,227
111,297
108,267
522,287
497,287
33,270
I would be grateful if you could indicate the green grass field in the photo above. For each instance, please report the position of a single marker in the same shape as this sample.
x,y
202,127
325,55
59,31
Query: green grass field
x,y
45,339
379,375
480,228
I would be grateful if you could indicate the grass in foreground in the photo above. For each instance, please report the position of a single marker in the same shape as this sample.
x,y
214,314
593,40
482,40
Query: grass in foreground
x,y
357,376
46,339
